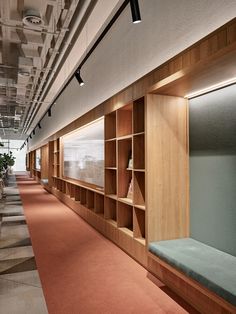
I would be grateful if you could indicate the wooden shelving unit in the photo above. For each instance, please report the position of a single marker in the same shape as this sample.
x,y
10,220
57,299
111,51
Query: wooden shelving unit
x,y
125,181
56,158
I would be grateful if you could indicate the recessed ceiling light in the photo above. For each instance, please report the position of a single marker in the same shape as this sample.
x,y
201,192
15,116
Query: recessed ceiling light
x,y
23,73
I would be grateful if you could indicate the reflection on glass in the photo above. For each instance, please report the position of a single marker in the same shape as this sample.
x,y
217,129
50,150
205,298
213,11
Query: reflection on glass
x,y
38,159
84,154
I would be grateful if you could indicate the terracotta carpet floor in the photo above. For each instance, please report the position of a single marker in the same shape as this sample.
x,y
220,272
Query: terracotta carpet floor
x,y
83,272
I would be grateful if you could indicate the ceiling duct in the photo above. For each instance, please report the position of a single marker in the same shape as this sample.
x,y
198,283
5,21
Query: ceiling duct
x,y
32,18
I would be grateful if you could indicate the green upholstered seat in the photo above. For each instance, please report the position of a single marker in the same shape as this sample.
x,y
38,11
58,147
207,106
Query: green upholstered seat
x,y
44,181
212,268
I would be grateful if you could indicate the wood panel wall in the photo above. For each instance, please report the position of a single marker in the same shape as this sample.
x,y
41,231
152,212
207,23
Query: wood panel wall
x,y
200,56
44,162
167,167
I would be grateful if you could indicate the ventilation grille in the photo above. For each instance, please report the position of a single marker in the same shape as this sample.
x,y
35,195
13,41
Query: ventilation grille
x,y
32,18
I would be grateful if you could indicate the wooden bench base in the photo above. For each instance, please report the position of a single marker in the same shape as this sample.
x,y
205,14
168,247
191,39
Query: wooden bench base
x,y
199,297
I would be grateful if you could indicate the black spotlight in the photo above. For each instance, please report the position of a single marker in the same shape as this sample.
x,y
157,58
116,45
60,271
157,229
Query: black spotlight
x,y
33,132
49,112
27,140
39,125
79,78
30,135
136,17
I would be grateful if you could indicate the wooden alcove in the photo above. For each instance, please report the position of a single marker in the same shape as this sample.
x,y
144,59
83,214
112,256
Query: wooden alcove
x,y
158,126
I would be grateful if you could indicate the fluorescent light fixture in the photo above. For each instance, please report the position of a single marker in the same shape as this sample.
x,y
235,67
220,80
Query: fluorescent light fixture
x,y
136,17
211,88
79,78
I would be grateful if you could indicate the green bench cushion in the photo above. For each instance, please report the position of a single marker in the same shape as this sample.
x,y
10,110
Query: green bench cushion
x,y
44,181
212,268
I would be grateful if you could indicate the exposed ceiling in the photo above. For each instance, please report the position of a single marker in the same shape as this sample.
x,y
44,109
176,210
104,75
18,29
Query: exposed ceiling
x,y
33,34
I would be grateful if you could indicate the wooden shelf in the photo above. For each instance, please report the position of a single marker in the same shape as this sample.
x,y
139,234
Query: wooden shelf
x,y
125,200
99,204
139,188
110,154
126,137
141,240
124,120
90,199
139,152
110,126
112,222
127,231
124,216
110,209
110,181
124,175
142,207
113,196
138,116
139,223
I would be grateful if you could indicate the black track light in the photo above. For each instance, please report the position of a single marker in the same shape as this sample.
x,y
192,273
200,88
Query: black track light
x,y
30,135
39,125
136,17
49,112
79,78
33,132
27,140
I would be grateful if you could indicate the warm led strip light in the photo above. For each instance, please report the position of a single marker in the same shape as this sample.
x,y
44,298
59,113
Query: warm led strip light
x,y
211,88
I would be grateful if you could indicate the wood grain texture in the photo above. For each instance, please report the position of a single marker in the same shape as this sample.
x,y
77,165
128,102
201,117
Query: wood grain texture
x,y
44,161
167,166
198,296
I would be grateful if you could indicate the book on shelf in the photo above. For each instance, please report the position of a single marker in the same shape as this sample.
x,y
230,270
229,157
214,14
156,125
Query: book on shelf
x,y
130,190
130,162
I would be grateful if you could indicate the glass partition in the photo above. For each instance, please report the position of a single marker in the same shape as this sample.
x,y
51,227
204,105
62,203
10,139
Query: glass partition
x,y
83,153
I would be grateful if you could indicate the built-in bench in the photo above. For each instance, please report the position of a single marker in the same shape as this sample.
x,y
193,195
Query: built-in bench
x,y
44,181
210,267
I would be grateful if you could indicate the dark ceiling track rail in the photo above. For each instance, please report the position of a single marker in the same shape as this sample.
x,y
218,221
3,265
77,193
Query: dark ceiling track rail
x,y
100,38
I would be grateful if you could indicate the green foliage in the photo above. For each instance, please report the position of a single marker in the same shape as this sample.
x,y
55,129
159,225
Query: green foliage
x,y
6,160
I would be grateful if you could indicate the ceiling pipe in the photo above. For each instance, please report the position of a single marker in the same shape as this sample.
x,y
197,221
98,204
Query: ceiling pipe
x,y
102,35
74,28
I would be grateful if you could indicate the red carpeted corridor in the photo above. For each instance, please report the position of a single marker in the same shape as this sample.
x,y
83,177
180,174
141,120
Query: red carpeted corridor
x,y
80,270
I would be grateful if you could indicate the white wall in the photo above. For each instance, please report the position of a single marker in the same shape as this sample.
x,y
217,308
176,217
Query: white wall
x,y
129,51
14,147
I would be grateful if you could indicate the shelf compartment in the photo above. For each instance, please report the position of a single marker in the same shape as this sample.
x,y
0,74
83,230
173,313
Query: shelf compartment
x,y
124,216
63,186
110,154
124,120
139,223
77,193
124,174
110,181
139,188
72,191
68,188
83,196
138,115
139,151
110,209
90,199
110,126
99,204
